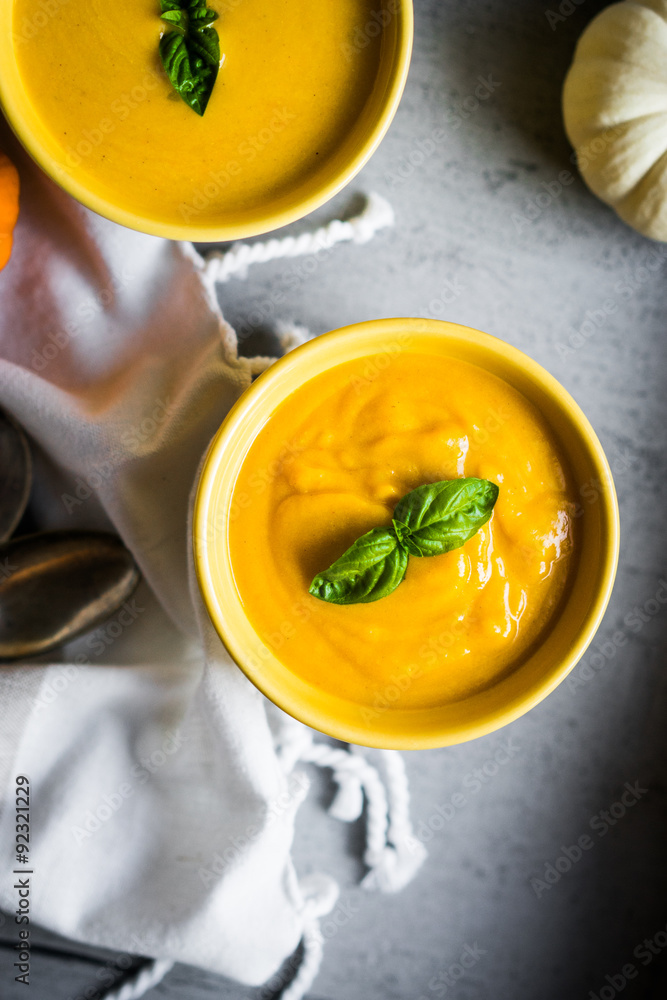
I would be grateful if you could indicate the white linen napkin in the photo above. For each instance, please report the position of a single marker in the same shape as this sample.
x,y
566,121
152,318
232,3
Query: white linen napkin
x,y
162,801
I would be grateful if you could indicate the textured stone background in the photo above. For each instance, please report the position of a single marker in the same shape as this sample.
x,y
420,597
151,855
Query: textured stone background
x,y
457,252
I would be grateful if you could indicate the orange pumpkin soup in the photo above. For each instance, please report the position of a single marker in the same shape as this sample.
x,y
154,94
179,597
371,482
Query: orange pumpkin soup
x,y
294,80
332,463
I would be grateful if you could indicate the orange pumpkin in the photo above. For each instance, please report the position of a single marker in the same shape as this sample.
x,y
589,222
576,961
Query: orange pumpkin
x,y
9,206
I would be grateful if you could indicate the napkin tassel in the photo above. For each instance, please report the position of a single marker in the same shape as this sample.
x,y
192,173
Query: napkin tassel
x,y
393,854
149,975
220,265
313,951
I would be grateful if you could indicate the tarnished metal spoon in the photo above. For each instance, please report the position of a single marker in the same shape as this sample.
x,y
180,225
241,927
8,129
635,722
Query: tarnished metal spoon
x,y
56,585
15,475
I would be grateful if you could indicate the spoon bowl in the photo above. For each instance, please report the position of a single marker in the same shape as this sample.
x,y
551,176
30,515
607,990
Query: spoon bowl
x,y
56,585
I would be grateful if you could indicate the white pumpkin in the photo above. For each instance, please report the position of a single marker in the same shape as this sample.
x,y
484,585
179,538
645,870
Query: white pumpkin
x,y
615,110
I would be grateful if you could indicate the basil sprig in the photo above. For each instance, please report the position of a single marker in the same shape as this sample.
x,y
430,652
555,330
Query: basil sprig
x,y
429,521
190,53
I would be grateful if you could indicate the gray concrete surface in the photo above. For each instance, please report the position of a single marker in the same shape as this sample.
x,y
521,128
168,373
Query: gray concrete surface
x,y
457,252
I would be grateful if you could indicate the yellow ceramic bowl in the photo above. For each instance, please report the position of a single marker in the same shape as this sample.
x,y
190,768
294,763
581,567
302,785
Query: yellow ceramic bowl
x,y
357,148
566,639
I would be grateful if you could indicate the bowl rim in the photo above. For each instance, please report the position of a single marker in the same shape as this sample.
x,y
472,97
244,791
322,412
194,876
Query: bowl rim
x,y
375,736
10,103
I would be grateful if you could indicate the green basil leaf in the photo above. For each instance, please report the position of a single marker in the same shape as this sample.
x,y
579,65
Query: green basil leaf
x,y
371,568
176,17
202,16
205,45
443,516
191,62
